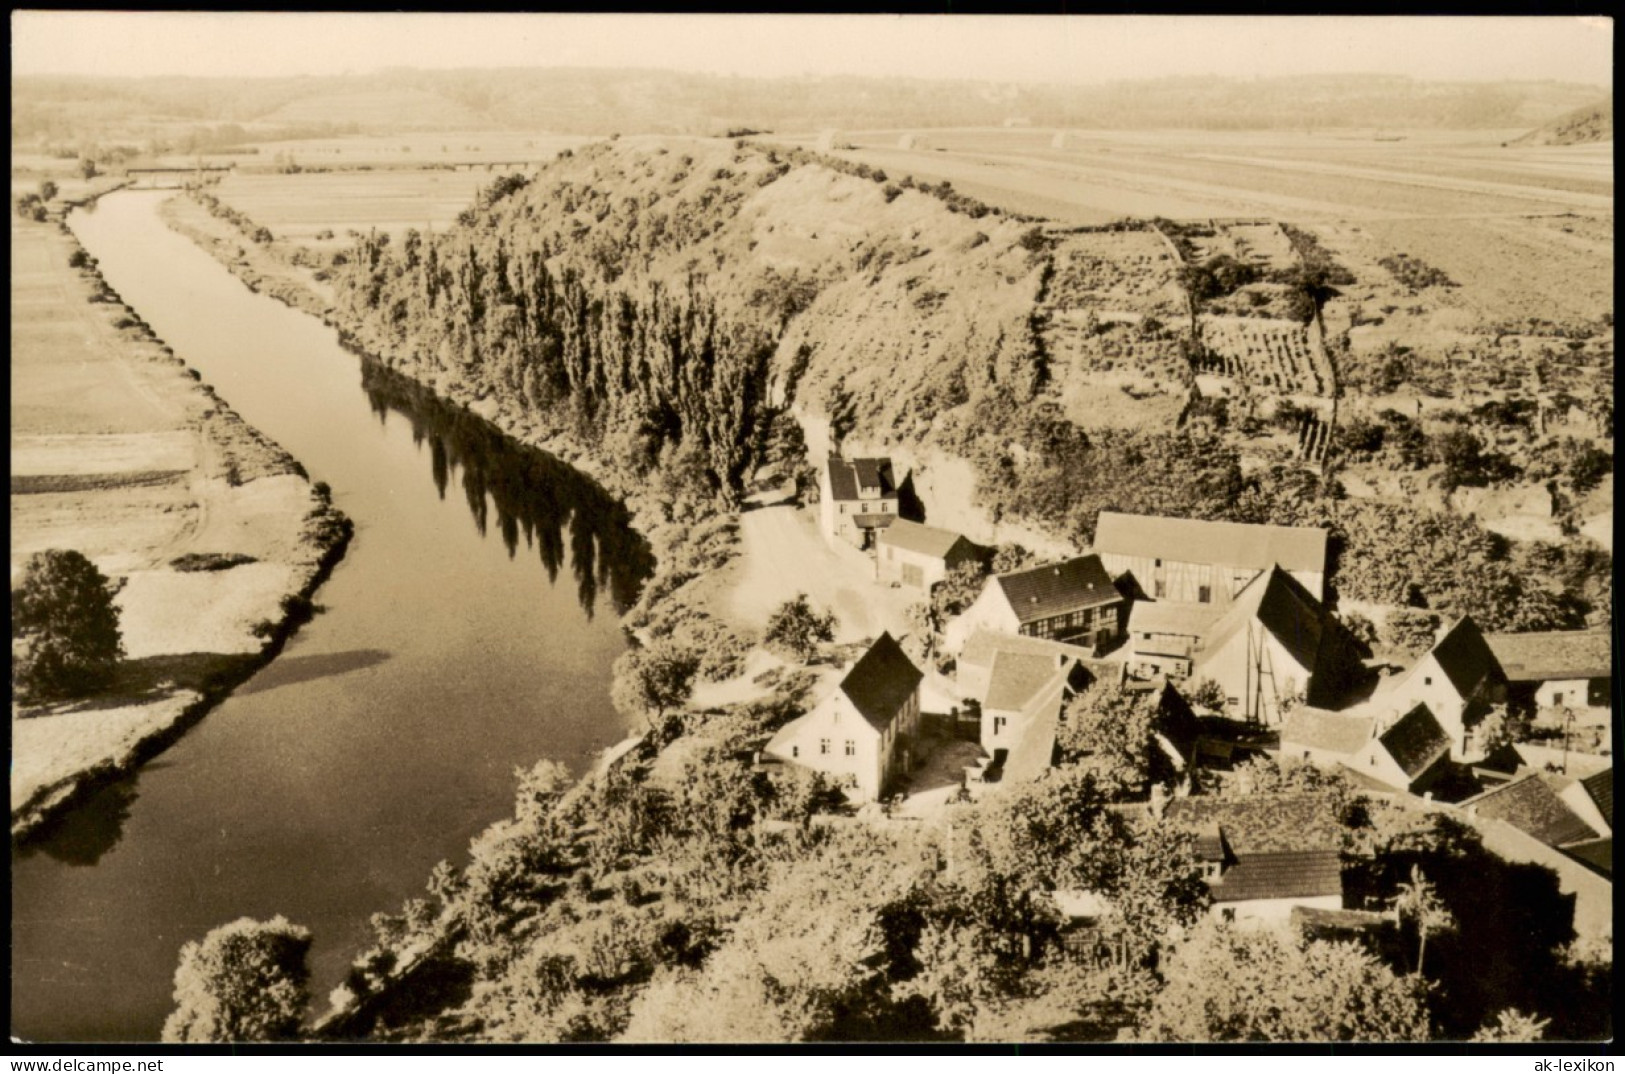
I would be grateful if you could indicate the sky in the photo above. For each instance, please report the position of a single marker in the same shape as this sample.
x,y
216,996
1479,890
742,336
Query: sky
x,y
998,48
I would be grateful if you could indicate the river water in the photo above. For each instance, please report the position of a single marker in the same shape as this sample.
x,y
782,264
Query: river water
x,y
469,629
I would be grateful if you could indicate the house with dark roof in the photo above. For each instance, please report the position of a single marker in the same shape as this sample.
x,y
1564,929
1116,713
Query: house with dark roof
x,y
1265,648
1264,855
912,554
857,499
1529,804
1192,561
1407,754
1458,680
864,732
1072,601
1554,669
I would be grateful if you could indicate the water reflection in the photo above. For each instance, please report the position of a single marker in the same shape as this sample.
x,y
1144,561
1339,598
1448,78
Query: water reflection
x,y
533,494
83,834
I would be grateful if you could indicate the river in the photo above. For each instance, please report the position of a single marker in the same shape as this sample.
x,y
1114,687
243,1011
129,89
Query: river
x,y
468,630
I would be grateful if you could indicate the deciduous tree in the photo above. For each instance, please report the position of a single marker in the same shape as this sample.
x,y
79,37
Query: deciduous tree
x,y
64,618
245,981
795,629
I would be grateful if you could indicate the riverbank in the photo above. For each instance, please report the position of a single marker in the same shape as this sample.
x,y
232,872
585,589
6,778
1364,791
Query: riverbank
x,y
213,535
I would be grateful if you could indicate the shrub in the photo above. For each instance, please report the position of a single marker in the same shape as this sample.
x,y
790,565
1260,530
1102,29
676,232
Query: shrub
x,y
794,631
246,981
65,618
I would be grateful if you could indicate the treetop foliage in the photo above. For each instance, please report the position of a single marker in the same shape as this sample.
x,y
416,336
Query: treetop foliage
x,y
65,624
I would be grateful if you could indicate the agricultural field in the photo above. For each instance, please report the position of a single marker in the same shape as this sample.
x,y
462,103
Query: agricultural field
x,y
299,208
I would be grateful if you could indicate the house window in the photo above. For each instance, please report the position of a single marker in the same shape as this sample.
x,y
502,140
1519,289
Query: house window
x,y
795,751
1557,697
1204,594
1161,588
823,745
851,748
1427,680
842,507
1156,563
1228,913
998,724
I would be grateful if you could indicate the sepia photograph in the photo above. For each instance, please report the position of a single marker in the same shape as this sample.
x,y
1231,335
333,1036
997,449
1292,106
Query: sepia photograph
x,y
695,530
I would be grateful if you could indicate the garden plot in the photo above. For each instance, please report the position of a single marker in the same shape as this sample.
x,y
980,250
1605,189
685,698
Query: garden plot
x,y
1275,355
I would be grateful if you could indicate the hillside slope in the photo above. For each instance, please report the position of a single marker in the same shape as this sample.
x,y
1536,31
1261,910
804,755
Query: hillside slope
x,y
1593,123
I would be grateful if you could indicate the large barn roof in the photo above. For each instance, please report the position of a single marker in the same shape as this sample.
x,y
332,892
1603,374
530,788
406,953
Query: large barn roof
x,y
1545,655
1231,544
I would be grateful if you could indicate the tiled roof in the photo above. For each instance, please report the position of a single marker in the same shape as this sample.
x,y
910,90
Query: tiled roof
x,y
1281,874
1283,607
1172,617
1230,544
1554,654
1322,730
1031,756
1531,806
1601,789
1016,677
881,681
1059,588
1416,741
1465,657
846,475
983,645
926,540
1597,853
1260,823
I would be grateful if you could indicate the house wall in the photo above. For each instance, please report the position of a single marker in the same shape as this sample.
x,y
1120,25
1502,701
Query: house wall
x,y
1575,693
1255,671
1183,580
1001,729
819,741
1156,655
1375,761
1428,684
1271,913
990,611
890,561
1096,626
1299,751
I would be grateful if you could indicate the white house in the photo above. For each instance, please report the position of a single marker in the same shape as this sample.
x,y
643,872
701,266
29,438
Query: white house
x,y
1192,561
1407,754
857,498
1557,668
913,554
863,733
1265,854
1264,648
1458,679
1163,637
1074,600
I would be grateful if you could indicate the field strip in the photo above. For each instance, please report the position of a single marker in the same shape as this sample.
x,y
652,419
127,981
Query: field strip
x,y
1384,175
106,453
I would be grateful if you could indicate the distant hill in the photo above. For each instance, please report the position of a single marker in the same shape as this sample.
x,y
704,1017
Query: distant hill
x,y
1593,123
598,101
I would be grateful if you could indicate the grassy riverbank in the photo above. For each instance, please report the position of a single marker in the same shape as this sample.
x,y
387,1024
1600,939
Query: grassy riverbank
x,y
119,451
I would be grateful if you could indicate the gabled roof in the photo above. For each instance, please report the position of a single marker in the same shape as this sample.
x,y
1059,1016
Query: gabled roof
x,y
1546,655
881,681
1281,605
1465,657
1058,588
1033,753
926,540
1416,741
1601,789
1016,677
1230,544
1172,617
846,475
1281,874
984,645
1262,823
1330,731
1531,806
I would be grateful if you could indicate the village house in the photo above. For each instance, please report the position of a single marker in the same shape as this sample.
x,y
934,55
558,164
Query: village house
x,y
917,555
1191,561
857,498
1267,648
1458,680
1407,754
1163,637
1552,670
1264,855
864,733
1074,601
